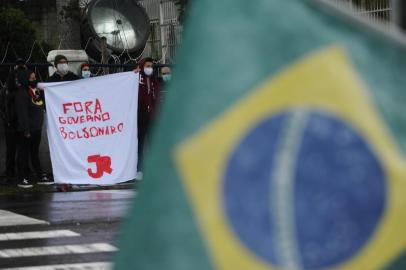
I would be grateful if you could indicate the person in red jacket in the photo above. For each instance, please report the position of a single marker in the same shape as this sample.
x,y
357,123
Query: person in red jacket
x,y
148,100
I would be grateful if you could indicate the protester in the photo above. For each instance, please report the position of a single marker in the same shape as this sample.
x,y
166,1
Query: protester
x,y
166,74
30,117
136,68
10,120
148,97
166,77
62,73
85,71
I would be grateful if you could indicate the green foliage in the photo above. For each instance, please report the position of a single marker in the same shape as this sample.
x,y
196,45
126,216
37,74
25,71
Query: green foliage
x,y
20,33
72,11
16,29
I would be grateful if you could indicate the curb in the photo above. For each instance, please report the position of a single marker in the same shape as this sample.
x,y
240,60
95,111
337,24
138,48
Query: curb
x,y
13,189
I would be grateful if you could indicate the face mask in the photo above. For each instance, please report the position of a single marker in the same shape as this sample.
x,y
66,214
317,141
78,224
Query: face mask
x,y
166,77
86,73
148,71
63,68
33,84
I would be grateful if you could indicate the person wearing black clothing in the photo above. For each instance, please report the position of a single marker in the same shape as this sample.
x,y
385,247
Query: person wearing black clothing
x,y
10,120
62,73
30,118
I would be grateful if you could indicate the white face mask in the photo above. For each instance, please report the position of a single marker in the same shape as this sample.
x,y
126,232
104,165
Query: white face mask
x,y
148,71
63,68
86,73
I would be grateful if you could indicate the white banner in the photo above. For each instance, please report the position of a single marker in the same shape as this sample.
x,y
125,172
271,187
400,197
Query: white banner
x,y
92,129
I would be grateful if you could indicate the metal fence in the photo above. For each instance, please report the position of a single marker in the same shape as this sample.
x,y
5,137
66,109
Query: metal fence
x,y
166,31
377,11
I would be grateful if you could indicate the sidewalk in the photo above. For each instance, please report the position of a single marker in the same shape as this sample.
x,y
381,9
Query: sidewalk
x,y
12,189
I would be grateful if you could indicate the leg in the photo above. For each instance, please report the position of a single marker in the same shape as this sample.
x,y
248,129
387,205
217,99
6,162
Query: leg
x,y
22,156
35,141
141,141
11,149
23,151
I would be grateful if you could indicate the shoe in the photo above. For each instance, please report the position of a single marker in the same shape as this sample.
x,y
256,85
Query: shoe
x,y
25,184
139,176
45,181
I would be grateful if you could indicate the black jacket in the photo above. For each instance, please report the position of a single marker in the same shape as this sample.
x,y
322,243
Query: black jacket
x,y
29,111
68,77
8,101
29,106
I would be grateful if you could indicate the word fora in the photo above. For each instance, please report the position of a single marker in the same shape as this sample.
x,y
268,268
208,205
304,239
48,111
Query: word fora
x,y
91,111
88,107
92,132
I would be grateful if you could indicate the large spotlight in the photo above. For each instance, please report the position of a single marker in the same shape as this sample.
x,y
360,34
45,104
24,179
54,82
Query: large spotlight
x,y
124,24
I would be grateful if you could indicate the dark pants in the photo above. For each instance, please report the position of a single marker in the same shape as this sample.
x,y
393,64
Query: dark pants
x,y
143,132
28,148
11,148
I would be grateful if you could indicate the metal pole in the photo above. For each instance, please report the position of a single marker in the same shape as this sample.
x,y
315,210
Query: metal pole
x,y
399,13
105,54
162,29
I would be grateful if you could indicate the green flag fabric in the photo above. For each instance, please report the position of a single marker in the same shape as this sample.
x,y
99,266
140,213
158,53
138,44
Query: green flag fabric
x,y
281,145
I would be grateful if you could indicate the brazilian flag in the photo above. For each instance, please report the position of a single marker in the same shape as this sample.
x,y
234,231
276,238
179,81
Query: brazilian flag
x,y
282,145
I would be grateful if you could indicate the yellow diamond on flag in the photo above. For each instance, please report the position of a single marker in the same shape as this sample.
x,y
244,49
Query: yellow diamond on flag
x,y
299,174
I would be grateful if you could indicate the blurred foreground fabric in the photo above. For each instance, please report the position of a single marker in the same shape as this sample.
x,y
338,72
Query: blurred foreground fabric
x,y
281,146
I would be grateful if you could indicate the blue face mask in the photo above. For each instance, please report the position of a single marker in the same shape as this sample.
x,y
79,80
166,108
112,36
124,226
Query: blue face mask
x,y
86,73
166,77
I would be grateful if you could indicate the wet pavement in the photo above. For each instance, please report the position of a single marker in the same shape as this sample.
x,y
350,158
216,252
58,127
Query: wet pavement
x,y
76,229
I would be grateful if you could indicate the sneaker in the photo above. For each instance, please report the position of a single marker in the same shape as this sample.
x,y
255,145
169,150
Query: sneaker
x,y
138,177
45,181
25,184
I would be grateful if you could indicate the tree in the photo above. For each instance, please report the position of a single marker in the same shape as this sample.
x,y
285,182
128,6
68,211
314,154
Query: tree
x,y
74,10
17,30
18,34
